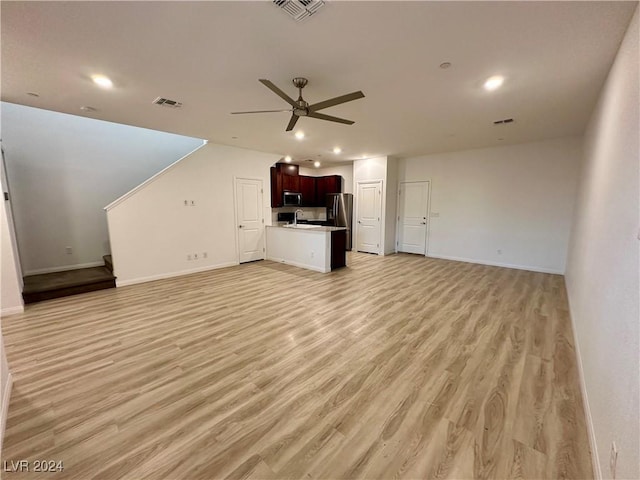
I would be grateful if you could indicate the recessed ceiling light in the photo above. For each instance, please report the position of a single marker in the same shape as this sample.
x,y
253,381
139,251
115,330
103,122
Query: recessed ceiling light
x,y
299,134
337,150
234,138
494,82
33,94
102,81
316,164
287,159
86,108
445,65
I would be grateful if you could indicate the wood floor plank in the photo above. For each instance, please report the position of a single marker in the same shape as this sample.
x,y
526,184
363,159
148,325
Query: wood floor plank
x,y
394,367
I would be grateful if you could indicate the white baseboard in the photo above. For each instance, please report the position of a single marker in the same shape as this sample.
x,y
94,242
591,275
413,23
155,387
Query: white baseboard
x,y
299,265
162,276
497,264
63,268
12,310
595,459
5,407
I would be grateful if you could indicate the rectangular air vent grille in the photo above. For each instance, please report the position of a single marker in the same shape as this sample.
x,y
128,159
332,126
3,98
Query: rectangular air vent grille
x,y
506,120
165,102
299,9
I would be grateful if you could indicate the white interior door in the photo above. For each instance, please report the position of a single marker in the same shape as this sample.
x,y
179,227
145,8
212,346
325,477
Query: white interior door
x,y
249,217
413,217
368,219
8,204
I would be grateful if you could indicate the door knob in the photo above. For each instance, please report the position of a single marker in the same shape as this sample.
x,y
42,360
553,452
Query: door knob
x,y
424,223
239,226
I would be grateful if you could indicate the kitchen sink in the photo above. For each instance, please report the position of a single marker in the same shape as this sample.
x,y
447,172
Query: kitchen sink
x,y
301,225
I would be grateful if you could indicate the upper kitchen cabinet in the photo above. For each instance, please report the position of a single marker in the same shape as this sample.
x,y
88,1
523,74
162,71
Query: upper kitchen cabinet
x,y
290,183
284,177
324,185
308,190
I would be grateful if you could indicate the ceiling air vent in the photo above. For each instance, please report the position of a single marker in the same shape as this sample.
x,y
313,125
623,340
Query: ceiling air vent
x,y
299,9
506,120
165,102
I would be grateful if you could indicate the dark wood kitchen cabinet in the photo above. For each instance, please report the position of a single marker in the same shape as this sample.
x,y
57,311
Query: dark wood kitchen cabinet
x,y
324,185
338,248
308,190
284,177
291,183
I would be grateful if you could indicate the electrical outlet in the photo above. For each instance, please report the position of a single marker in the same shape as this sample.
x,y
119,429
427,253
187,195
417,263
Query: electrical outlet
x,y
186,203
313,254
195,256
204,254
193,203
69,250
613,459
499,251
188,257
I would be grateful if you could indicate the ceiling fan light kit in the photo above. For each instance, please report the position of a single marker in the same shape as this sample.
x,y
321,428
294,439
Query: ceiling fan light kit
x,y
301,108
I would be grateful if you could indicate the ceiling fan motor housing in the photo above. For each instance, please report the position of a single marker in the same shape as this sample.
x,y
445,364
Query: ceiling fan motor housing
x,y
300,82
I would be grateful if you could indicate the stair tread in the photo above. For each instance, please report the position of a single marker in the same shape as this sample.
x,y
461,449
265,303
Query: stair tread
x,y
71,278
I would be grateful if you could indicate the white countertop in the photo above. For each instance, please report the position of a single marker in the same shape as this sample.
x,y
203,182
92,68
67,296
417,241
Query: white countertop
x,y
306,227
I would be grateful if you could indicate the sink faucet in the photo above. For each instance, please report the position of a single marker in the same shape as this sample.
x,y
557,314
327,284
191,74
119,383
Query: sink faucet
x,y
295,216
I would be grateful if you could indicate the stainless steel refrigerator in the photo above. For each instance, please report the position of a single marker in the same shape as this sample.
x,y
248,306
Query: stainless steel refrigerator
x,y
340,212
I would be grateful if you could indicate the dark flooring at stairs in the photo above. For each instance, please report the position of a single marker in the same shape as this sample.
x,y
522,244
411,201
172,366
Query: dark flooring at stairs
x,y
47,286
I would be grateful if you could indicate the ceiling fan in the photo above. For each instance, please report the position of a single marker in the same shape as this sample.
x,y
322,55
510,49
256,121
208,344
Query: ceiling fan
x,y
300,108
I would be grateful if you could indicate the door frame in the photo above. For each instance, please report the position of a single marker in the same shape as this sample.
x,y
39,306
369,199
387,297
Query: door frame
x,y
235,215
380,182
426,240
8,205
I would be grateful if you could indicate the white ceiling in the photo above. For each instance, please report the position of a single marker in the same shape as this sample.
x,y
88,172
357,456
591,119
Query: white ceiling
x,y
210,55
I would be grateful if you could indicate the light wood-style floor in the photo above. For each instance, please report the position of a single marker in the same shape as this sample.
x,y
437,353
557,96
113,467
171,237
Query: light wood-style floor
x,y
396,367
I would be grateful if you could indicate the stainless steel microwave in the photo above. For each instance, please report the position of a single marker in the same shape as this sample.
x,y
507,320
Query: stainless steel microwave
x,y
292,199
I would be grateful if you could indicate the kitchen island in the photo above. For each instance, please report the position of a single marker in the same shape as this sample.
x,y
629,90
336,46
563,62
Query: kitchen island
x,y
313,247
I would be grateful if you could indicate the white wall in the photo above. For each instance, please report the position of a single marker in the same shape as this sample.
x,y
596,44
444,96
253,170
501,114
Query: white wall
x,y
152,232
369,169
603,264
391,207
63,169
517,199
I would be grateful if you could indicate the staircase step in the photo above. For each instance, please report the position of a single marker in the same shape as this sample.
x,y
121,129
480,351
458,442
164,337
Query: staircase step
x,y
62,284
108,262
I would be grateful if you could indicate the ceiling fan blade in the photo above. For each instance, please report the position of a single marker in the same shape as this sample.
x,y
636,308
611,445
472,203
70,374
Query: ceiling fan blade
x,y
336,101
278,92
261,111
292,122
322,116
